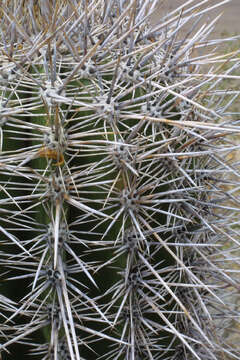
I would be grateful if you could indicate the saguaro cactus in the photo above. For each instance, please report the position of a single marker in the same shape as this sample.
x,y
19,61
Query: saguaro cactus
x,y
119,183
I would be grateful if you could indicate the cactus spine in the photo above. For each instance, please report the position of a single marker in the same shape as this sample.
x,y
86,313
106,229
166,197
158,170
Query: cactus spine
x,y
119,188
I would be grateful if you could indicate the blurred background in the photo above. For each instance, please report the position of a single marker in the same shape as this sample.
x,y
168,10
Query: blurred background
x,y
229,23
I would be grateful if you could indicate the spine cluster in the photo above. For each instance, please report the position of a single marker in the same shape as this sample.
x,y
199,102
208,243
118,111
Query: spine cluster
x,y
118,184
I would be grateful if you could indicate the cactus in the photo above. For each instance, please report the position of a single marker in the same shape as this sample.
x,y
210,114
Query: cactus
x,y
119,183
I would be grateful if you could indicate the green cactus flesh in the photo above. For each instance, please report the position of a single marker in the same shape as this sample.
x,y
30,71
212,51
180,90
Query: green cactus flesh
x,y
118,186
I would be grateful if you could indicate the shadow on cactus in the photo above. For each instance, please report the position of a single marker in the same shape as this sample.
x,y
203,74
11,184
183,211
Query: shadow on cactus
x,y
119,196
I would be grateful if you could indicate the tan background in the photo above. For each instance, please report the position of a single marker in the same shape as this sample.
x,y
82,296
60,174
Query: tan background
x,y
229,22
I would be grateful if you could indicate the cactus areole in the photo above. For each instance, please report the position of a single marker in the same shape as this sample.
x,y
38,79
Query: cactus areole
x,y
118,183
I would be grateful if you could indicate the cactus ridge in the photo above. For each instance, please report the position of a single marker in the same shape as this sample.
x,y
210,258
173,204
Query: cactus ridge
x,y
118,183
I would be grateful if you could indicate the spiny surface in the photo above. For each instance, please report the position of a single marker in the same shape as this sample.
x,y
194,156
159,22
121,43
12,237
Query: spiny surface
x,y
119,184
